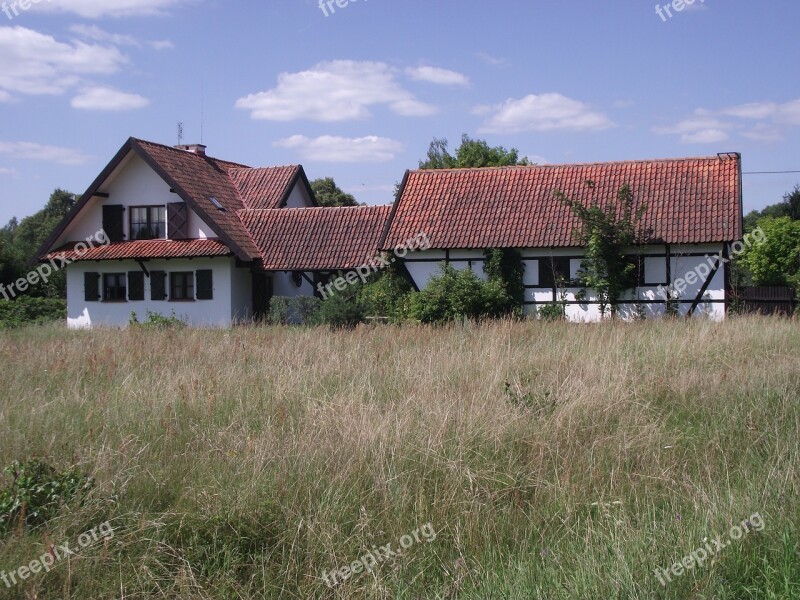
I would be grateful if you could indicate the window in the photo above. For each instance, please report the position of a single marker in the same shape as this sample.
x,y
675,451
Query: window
x,y
553,270
181,286
114,287
148,223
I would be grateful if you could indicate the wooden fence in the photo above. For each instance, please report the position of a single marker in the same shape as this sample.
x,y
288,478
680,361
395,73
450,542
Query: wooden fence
x,y
764,300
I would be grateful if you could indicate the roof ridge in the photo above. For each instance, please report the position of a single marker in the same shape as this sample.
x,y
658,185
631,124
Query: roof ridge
x,y
310,208
580,164
203,156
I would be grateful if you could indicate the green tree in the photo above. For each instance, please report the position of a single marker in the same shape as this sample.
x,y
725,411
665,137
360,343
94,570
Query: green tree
x,y
329,194
788,207
471,153
605,233
20,241
776,261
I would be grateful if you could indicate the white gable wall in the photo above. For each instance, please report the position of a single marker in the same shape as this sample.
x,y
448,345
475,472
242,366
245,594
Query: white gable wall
x,y
133,183
299,197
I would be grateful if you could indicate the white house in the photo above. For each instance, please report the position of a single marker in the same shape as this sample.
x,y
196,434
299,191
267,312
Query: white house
x,y
213,241
693,213
183,230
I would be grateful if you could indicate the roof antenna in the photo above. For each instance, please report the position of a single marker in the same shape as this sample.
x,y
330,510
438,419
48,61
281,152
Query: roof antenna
x,y
180,133
202,108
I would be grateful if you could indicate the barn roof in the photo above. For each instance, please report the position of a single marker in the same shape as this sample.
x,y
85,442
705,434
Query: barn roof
x,y
692,200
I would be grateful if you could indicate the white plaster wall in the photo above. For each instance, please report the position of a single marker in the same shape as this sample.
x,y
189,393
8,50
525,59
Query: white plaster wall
x,y
199,313
282,285
299,197
241,295
589,309
133,183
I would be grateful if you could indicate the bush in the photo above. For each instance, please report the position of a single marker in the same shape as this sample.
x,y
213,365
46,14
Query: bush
x,y
158,321
387,296
343,310
37,492
459,294
31,311
554,311
286,310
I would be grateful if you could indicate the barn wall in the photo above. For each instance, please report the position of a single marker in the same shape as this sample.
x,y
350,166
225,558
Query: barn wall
x,y
663,265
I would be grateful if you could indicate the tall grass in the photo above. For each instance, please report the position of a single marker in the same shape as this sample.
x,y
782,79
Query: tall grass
x,y
552,460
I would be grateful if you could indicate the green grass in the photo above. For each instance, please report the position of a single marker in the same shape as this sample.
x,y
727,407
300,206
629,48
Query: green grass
x,y
552,460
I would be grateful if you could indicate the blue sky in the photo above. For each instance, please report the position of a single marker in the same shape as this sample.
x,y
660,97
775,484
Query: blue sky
x,y
359,94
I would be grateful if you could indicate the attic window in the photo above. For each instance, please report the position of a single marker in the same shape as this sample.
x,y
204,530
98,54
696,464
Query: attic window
x,y
216,203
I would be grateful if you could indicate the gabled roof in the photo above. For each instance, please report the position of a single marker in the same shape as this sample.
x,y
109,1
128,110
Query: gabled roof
x,y
197,178
141,249
316,239
267,187
692,200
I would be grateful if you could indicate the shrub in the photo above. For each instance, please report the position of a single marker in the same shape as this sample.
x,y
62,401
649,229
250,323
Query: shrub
x,y
286,310
459,294
343,310
387,296
158,321
27,310
554,311
37,492
505,266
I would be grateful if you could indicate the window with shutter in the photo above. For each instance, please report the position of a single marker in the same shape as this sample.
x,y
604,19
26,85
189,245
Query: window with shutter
x,y
205,284
158,285
91,287
113,222
135,285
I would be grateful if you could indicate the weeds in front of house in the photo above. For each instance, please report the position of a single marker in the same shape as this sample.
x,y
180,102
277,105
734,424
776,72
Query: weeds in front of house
x,y
239,463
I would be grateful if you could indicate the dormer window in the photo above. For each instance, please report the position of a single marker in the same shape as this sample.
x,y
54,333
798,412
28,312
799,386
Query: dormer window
x,y
148,223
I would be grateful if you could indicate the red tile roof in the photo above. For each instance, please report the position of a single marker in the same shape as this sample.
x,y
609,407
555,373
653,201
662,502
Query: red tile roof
x,y
316,238
201,178
142,249
688,201
266,187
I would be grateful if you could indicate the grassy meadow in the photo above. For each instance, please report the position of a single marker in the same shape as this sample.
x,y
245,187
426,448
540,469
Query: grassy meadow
x,y
552,460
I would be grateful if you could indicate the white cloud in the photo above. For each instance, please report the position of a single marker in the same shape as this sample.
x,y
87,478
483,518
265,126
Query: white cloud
x,y
708,127
103,98
341,149
545,112
699,129
35,63
787,113
491,60
5,96
5,171
94,33
95,9
763,132
437,76
339,90
161,45
55,154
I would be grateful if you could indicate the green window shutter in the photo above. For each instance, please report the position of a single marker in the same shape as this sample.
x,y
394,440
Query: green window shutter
x,y
112,222
135,285
91,287
205,284
158,285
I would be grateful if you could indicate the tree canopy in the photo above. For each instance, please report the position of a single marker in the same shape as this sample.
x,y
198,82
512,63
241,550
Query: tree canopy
x,y
21,240
775,261
471,153
329,194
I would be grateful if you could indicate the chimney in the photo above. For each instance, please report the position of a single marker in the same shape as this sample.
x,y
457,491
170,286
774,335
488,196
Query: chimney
x,y
193,148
